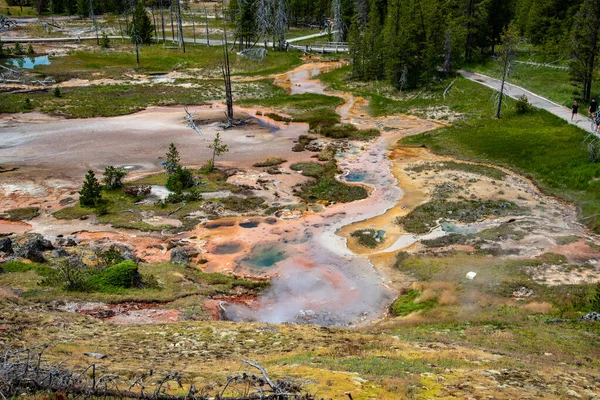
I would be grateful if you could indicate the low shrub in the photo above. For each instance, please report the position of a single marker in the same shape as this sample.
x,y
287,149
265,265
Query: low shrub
x,y
522,105
123,275
180,180
270,162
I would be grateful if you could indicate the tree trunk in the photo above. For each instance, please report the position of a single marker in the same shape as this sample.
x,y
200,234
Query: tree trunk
x,y
499,109
172,23
206,22
162,21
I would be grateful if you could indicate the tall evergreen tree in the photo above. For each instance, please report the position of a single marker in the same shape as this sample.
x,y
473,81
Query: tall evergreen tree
x,y
585,43
90,193
141,29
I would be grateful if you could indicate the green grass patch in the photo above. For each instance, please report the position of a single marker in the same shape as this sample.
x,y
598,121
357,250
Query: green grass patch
x,y
242,204
156,59
269,162
425,217
565,240
23,214
408,304
19,266
326,187
121,99
484,170
317,110
367,238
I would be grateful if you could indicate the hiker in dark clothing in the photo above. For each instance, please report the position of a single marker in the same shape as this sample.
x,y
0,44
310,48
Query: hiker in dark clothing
x,y
575,110
593,107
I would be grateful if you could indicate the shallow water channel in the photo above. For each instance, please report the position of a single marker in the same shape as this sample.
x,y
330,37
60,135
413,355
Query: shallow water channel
x,y
319,280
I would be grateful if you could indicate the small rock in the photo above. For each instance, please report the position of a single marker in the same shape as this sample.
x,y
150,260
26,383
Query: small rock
x,y
98,356
572,393
592,316
6,245
59,252
471,275
180,256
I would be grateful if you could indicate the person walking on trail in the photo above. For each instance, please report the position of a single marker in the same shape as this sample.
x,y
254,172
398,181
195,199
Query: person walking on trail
x,y
575,110
593,107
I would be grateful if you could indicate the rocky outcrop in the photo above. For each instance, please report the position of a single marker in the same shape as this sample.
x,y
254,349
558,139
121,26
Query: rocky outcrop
x,y
33,249
183,255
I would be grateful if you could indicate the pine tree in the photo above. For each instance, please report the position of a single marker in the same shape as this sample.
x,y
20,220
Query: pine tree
x,y
218,147
83,8
105,41
173,159
113,177
245,24
90,193
585,43
142,24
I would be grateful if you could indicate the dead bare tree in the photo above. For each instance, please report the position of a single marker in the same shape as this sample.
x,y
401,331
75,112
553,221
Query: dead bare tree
x,y
189,117
206,24
264,18
94,21
6,23
180,38
135,36
172,22
193,24
338,22
162,20
509,40
226,71
281,23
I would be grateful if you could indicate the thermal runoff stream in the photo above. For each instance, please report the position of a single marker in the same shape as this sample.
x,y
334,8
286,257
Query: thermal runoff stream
x,y
319,280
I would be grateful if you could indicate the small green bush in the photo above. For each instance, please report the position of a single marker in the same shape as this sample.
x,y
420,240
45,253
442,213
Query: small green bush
x,y
56,92
113,177
180,180
124,275
269,162
522,105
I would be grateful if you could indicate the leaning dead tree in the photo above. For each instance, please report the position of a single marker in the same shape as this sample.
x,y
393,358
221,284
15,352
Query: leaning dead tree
x,y
189,117
6,23
26,372
509,41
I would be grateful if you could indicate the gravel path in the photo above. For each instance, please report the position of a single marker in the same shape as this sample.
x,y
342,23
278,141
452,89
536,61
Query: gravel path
x,y
536,100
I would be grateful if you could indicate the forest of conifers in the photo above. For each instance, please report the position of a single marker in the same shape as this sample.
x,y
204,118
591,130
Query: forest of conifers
x,y
408,42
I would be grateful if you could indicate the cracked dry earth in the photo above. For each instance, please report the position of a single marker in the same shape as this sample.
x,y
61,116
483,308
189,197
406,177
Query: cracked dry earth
x,y
326,277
